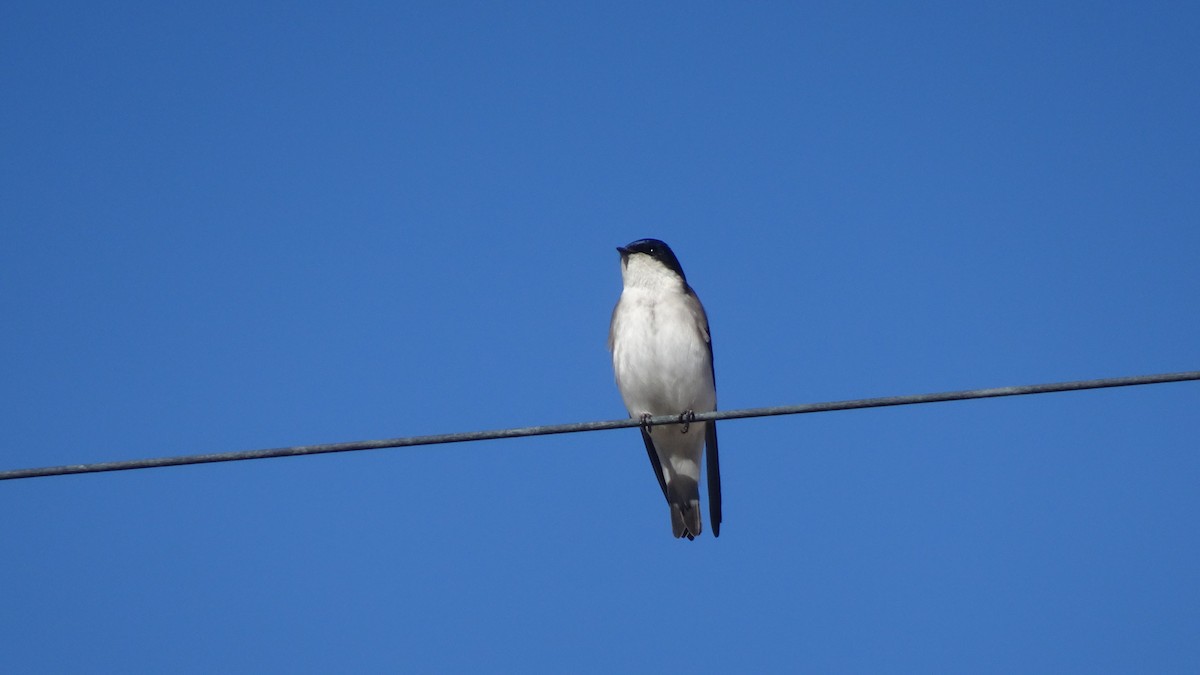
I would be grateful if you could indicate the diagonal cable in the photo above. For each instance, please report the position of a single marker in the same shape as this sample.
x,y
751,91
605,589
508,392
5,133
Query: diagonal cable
x,y
575,427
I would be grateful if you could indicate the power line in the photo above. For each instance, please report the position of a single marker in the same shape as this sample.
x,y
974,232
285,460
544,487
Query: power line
x,y
599,426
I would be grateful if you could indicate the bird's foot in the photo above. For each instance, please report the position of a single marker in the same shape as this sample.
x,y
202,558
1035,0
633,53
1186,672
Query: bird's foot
x,y
686,418
646,422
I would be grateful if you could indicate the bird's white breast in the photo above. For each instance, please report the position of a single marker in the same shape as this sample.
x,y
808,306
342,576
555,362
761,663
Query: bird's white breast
x,y
660,354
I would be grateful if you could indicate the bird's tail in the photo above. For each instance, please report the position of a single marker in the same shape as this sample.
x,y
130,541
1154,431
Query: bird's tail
x,y
683,494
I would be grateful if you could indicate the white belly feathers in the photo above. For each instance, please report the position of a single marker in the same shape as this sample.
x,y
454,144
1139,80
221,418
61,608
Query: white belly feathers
x,y
661,359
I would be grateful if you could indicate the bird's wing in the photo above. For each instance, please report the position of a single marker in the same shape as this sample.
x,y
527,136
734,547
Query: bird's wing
x,y
654,461
711,454
612,325
714,478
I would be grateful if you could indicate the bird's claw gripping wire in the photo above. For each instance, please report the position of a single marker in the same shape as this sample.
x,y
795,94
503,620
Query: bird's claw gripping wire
x,y
686,418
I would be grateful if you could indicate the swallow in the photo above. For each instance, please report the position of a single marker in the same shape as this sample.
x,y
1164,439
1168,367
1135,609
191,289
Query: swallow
x,y
663,361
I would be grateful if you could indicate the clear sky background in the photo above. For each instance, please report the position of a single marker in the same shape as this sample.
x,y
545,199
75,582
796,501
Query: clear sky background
x,y
228,226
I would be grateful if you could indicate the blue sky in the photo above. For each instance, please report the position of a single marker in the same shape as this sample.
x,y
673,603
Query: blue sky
x,y
230,226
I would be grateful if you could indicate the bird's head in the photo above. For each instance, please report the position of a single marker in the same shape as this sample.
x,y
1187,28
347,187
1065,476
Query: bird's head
x,y
649,262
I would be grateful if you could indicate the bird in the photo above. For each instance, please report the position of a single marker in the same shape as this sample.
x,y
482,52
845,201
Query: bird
x,y
663,362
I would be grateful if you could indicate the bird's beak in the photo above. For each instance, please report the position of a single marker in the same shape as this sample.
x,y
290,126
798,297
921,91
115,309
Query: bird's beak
x,y
623,251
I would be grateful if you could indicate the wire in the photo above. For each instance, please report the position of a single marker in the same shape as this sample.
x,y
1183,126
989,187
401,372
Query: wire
x,y
598,426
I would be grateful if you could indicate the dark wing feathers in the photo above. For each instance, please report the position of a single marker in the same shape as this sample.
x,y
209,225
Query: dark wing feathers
x,y
714,478
658,471
710,436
